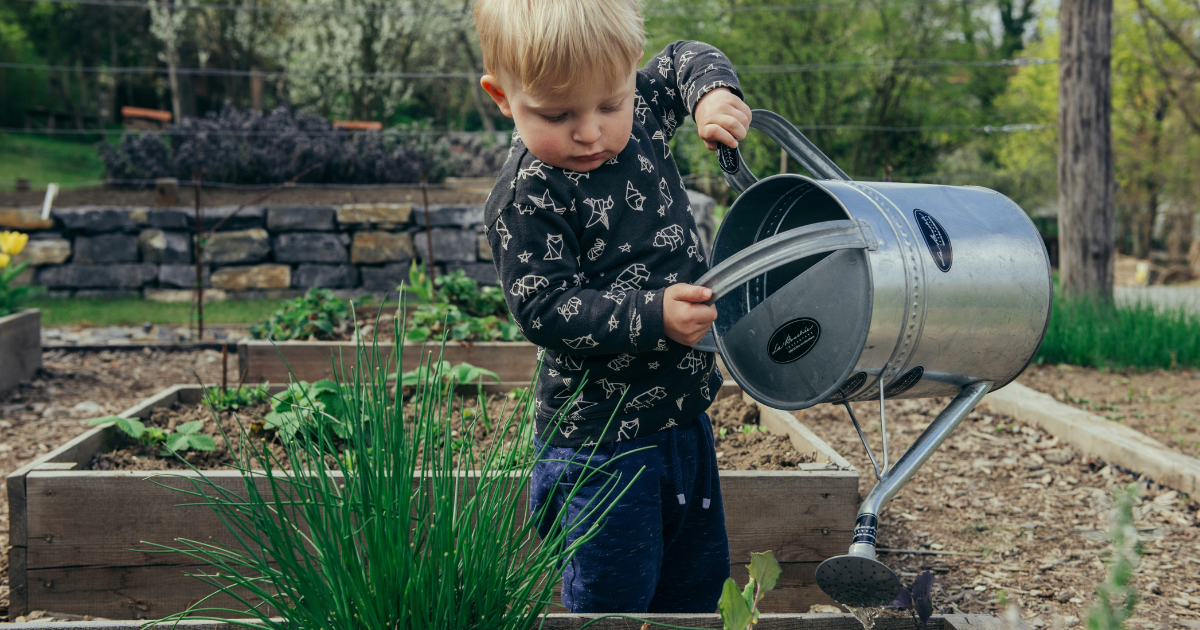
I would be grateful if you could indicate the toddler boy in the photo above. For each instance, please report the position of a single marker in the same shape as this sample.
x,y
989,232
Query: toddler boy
x,y
595,245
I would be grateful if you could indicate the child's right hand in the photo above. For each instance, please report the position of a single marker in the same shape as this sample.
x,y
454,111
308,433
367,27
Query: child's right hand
x,y
686,318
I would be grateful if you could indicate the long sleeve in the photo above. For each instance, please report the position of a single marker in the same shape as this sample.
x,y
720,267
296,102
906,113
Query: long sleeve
x,y
678,77
540,270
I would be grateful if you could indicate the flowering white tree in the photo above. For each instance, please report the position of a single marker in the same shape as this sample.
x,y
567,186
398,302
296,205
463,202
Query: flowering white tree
x,y
354,39
166,24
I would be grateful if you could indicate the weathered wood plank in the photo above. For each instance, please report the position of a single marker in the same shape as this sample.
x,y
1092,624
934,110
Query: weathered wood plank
x,y
513,362
20,347
124,592
801,515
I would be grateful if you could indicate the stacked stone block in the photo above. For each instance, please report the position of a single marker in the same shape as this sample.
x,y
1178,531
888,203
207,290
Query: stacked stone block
x,y
262,251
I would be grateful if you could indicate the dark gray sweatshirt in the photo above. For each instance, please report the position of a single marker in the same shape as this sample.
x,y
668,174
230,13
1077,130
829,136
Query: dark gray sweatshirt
x,y
584,259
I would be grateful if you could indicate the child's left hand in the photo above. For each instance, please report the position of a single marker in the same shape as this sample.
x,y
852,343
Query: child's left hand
x,y
722,118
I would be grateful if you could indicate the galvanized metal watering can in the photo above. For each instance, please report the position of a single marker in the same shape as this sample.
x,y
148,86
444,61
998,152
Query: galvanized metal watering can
x,y
830,290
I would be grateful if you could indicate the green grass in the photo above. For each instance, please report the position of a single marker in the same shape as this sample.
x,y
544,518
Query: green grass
x,y
42,160
1085,332
133,312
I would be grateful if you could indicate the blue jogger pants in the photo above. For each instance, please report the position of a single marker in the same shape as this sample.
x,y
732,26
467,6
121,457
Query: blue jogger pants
x,y
662,547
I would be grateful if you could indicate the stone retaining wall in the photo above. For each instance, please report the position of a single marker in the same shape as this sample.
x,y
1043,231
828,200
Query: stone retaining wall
x,y
262,252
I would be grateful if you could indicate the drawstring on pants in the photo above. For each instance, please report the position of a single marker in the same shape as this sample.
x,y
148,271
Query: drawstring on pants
x,y
677,465
710,446
703,465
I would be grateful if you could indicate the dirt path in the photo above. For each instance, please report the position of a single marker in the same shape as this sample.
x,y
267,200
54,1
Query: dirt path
x,y
1003,511
1162,404
72,388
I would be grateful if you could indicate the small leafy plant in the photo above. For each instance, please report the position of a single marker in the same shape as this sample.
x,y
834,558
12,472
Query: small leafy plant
x,y
187,436
463,373
314,409
11,298
455,305
224,399
317,314
918,601
739,609
1116,597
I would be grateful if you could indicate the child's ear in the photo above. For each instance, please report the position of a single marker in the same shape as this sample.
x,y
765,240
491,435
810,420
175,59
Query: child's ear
x,y
492,86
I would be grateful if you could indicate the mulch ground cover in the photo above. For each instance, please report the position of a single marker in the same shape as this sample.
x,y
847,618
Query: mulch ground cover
x,y
1005,512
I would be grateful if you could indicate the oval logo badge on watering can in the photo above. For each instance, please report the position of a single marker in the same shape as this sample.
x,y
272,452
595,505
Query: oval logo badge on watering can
x,y
848,388
905,382
793,340
937,240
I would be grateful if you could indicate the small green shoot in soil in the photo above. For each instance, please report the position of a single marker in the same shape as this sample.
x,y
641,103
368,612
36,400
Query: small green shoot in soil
x,y
1073,400
224,399
187,436
312,408
739,609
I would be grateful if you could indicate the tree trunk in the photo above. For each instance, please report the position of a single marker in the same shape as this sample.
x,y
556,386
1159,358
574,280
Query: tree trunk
x,y
1085,160
256,89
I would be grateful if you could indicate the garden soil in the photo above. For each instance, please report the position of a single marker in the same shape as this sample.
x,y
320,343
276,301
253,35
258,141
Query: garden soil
x,y
1000,507
1164,405
741,447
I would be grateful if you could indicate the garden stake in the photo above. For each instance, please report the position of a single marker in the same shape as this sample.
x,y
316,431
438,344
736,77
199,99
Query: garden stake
x,y
428,231
224,367
199,259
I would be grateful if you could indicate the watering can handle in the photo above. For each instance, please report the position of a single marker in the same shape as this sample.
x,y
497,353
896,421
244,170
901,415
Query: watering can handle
x,y
738,175
785,247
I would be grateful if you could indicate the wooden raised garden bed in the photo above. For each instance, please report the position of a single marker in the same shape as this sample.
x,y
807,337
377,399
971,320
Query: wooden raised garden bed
x,y
70,530
266,361
20,347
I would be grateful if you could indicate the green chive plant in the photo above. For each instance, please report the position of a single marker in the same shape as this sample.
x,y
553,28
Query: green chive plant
x,y
400,532
1085,331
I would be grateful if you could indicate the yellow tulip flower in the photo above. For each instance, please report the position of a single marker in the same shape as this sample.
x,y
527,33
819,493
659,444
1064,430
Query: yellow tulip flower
x,y
11,243
4,258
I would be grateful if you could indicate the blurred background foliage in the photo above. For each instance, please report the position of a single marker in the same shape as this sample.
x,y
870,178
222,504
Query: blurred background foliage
x,y
951,91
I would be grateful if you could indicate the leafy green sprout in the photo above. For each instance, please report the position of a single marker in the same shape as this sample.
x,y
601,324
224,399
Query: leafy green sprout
x,y
187,436
225,399
1116,597
739,609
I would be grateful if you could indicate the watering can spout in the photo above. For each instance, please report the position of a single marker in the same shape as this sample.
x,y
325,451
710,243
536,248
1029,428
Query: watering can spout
x,y
857,578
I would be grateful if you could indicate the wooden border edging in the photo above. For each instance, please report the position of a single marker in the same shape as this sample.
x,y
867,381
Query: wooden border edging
x,y
70,530
767,621
20,347
1109,441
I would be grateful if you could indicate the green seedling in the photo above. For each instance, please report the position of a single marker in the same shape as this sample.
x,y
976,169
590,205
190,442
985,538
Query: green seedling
x,y
752,428
316,314
313,408
1073,400
739,609
223,399
1116,597
186,435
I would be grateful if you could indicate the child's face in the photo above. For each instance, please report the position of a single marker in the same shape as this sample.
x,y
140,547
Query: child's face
x,y
579,130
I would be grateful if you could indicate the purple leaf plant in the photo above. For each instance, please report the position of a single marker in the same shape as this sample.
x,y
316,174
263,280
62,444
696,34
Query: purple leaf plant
x,y
918,601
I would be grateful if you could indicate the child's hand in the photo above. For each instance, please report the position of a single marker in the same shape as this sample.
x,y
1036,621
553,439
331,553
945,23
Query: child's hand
x,y
685,315
722,118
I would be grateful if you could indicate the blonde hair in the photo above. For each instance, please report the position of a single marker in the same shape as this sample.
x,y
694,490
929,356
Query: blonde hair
x,y
554,45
